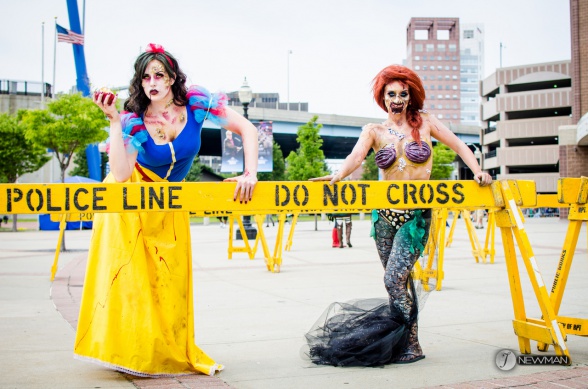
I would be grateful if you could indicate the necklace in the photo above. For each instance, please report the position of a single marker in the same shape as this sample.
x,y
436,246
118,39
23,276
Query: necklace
x,y
399,135
160,132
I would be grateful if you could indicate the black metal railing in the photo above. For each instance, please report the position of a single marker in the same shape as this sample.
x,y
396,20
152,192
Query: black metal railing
x,y
25,88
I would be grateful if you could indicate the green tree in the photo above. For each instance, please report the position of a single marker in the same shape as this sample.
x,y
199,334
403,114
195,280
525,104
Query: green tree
x,y
80,168
370,169
195,171
19,155
443,158
309,160
279,169
80,165
68,125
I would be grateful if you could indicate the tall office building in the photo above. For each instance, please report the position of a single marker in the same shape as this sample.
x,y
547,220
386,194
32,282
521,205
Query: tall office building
x,y
471,71
433,51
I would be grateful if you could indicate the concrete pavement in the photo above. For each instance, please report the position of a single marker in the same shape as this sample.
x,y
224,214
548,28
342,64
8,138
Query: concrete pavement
x,y
253,321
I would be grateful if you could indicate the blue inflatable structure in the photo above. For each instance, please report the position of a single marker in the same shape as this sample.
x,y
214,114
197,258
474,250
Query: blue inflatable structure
x,y
83,85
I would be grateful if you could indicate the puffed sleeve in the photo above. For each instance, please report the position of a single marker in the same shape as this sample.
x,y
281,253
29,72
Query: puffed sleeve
x,y
206,105
134,133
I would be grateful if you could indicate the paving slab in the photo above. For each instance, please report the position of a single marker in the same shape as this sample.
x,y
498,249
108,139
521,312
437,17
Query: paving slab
x,y
253,321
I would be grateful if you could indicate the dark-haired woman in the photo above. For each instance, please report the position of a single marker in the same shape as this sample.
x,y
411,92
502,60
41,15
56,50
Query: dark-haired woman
x,y
369,332
137,311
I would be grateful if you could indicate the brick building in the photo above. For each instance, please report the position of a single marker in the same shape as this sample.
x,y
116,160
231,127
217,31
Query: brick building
x,y
433,52
573,145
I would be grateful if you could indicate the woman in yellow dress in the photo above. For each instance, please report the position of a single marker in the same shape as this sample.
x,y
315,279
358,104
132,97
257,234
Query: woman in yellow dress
x,y
137,310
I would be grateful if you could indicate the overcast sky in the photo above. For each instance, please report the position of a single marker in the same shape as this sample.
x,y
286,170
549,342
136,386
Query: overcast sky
x,y
337,46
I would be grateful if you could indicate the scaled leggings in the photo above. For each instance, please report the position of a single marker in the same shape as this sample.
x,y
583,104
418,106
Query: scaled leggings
x,y
393,242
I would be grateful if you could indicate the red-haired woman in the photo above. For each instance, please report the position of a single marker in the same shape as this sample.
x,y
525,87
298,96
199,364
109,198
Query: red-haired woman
x,y
375,332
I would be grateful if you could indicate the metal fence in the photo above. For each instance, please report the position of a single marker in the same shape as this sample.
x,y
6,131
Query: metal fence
x,y
25,88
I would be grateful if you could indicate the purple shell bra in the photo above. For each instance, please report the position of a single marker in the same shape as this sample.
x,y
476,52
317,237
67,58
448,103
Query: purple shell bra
x,y
386,156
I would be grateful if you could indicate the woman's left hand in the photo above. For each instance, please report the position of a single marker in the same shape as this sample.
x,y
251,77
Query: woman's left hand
x,y
483,178
245,185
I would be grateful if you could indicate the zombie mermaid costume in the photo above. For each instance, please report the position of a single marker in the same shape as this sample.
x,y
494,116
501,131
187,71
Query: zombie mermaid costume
x,y
375,332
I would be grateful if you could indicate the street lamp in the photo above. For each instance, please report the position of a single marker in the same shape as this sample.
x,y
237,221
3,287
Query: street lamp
x,y
478,154
245,97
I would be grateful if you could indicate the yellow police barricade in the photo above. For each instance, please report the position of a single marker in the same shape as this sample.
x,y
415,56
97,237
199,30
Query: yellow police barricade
x,y
435,248
572,193
465,215
435,251
273,262
543,201
505,196
490,238
63,219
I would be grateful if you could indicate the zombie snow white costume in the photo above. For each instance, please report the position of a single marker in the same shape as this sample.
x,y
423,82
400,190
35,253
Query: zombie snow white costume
x,y
137,311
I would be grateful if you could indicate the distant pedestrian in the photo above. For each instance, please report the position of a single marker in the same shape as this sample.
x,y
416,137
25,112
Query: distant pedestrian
x,y
223,221
339,220
480,218
269,218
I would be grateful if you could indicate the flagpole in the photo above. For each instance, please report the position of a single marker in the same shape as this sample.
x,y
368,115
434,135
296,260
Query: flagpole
x,y
54,58
42,65
84,17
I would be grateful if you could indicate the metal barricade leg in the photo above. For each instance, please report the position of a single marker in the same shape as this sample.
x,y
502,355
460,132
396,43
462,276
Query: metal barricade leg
x,y
547,330
62,225
490,237
291,234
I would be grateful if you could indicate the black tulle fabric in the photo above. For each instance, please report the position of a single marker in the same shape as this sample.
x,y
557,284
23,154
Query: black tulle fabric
x,y
357,333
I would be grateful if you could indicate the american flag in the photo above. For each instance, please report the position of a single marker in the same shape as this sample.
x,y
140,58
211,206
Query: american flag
x,y
68,36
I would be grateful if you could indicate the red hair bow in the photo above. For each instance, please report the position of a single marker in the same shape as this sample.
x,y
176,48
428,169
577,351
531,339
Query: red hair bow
x,y
155,48
158,49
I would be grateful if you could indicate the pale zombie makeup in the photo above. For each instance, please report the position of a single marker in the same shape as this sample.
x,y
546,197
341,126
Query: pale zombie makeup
x,y
156,81
396,97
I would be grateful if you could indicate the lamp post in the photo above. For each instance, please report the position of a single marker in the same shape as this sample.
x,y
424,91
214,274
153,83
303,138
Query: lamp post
x,y
288,80
478,155
245,97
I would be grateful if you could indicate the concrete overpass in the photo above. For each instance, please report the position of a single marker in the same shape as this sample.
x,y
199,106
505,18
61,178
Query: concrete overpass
x,y
339,133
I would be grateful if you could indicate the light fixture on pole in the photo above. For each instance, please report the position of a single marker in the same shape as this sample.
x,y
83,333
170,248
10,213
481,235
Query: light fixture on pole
x,y
478,154
245,97
288,80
